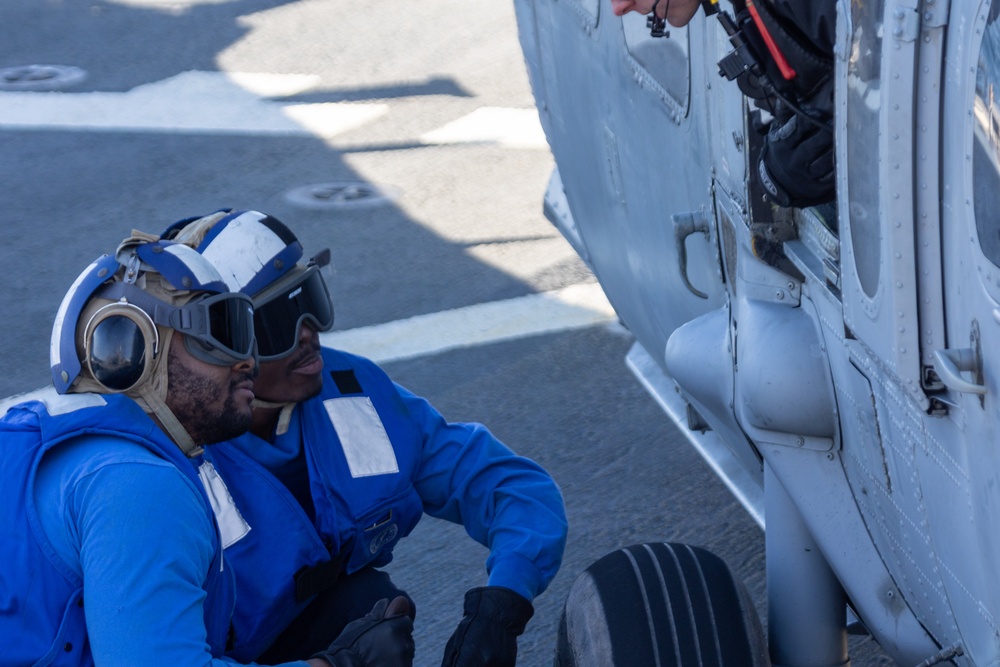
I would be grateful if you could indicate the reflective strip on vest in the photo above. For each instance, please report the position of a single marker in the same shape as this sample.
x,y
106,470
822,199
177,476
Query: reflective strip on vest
x,y
232,526
362,436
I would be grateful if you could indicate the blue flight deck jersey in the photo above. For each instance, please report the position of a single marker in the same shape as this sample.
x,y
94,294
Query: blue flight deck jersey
x,y
132,569
375,458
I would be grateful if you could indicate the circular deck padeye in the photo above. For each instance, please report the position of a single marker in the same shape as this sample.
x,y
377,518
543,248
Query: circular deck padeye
x,y
342,195
40,77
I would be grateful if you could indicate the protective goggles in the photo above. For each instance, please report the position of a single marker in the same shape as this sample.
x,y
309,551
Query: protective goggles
x,y
279,313
218,328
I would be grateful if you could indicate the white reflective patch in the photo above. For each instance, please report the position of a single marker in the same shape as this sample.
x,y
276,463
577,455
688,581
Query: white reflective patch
x,y
232,526
202,270
362,435
61,404
242,248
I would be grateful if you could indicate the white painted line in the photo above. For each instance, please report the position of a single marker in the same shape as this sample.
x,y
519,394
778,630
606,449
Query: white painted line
x,y
573,307
191,102
238,103
171,6
514,128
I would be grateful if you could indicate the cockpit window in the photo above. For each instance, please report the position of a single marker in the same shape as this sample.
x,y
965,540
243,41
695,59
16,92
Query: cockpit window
x,y
663,59
864,99
986,141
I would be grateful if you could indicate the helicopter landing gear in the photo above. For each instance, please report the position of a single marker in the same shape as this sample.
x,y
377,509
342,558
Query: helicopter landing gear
x,y
660,604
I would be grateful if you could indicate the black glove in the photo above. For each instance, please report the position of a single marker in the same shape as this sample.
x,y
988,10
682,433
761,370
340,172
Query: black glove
x,y
796,166
487,636
382,638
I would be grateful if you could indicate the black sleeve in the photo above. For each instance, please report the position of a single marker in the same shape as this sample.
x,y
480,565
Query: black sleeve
x,y
815,20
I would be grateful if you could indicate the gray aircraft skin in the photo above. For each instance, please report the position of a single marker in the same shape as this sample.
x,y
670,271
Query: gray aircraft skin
x,y
838,366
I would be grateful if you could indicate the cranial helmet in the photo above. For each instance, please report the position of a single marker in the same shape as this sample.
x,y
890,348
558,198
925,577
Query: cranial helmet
x,y
113,329
258,255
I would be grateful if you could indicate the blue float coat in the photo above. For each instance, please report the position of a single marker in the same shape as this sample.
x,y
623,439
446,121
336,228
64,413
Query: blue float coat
x,y
376,458
115,511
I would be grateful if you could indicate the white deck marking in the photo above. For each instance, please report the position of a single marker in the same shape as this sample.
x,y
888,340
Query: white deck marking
x,y
573,307
191,102
514,128
239,103
169,6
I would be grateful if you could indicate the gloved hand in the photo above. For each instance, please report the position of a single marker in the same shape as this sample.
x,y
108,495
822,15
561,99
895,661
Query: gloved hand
x,y
487,636
796,165
381,638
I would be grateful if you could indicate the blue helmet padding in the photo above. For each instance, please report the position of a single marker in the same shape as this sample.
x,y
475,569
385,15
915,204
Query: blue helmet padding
x,y
251,250
181,266
63,360
273,271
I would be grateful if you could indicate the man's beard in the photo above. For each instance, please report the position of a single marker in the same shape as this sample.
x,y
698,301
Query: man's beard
x,y
191,394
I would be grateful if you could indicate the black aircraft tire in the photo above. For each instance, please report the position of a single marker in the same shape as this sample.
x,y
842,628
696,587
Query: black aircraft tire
x,y
672,605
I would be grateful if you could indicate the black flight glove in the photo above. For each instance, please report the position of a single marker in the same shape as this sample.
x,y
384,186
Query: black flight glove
x,y
796,164
487,636
381,638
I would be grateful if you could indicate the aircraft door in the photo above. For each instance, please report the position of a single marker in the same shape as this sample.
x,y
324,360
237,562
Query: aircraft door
x,y
962,484
875,158
625,115
902,474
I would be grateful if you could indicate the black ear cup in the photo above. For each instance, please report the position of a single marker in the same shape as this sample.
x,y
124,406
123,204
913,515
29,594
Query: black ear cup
x,y
121,343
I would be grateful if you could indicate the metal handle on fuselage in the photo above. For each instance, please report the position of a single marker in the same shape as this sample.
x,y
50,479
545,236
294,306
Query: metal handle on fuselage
x,y
686,224
949,365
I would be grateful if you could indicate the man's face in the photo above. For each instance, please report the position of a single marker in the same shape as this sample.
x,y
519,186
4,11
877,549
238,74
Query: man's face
x,y
211,402
295,378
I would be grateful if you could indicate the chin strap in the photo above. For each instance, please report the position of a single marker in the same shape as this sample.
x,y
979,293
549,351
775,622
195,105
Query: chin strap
x,y
284,417
152,399
152,403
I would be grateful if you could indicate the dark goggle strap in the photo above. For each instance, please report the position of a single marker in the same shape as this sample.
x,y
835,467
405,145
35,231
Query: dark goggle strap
x,y
225,339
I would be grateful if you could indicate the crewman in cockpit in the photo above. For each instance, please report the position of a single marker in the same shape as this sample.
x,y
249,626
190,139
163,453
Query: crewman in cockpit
x,y
784,62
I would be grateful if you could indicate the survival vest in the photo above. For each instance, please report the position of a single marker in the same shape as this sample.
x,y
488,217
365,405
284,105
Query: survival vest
x,y
41,599
362,489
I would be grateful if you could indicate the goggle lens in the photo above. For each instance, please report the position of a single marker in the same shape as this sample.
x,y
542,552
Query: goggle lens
x,y
219,328
277,322
230,324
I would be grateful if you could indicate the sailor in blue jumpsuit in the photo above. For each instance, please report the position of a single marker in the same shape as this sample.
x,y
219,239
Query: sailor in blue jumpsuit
x,y
116,505
113,528
355,460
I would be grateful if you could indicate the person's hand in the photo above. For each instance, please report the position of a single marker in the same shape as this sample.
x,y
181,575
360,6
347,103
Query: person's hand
x,y
487,636
381,638
623,7
796,165
679,12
